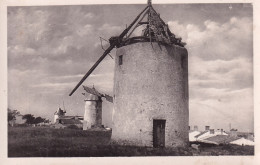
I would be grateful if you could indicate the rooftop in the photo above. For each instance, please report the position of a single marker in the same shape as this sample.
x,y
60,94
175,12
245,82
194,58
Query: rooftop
x,y
70,121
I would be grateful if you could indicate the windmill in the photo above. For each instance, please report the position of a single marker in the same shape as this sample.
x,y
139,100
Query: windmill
x,y
59,113
150,84
93,107
156,30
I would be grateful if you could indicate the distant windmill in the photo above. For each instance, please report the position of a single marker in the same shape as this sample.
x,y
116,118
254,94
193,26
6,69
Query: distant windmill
x,y
93,107
59,113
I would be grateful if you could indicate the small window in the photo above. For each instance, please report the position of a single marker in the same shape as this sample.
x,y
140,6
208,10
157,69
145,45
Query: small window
x,y
120,62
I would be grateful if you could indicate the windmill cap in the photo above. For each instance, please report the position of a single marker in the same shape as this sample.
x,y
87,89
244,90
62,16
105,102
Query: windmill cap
x,y
91,97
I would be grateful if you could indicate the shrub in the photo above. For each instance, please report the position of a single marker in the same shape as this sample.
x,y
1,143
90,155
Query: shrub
x,y
72,127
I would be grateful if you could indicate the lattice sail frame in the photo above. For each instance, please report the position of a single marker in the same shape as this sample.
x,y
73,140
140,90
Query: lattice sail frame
x,y
156,30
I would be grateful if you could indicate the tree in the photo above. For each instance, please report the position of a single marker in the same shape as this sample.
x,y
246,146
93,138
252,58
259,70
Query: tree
x,y
12,114
38,120
46,120
30,119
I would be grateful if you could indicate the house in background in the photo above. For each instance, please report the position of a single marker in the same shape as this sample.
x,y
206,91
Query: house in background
x,y
18,120
243,142
193,133
242,138
63,121
209,133
210,136
68,122
223,139
219,139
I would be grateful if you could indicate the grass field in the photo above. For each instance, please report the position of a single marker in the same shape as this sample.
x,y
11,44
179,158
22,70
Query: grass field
x,y
49,142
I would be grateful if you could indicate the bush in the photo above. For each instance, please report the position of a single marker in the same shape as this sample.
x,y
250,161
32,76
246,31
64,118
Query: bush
x,y
73,127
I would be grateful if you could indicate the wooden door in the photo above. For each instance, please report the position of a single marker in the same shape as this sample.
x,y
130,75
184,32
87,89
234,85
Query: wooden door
x,y
159,133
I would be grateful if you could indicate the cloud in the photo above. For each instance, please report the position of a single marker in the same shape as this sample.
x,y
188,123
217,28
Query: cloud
x,y
233,74
224,107
25,29
53,85
87,29
217,41
19,50
67,77
89,15
220,71
51,48
220,55
107,30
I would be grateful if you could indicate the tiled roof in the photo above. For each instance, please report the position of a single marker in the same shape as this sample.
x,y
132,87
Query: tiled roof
x,y
242,140
220,139
71,117
70,121
207,141
201,134
65,117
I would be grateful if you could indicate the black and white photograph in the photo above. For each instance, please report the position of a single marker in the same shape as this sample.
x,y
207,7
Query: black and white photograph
x,y
146,79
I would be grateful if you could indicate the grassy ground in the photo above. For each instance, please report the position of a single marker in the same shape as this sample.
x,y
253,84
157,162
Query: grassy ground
x,y
49,142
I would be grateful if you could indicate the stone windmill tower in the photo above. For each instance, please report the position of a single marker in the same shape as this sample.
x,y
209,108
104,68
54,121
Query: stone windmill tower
x,y
151,102
93,107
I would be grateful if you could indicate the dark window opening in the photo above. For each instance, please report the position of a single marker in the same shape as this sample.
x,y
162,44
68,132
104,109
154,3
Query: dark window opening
x,y
159,133
121,60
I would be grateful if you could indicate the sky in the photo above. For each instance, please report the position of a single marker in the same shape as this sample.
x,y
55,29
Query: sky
x,y
50,48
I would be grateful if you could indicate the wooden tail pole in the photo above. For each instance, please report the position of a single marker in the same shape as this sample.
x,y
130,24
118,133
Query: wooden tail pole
x,y
107,51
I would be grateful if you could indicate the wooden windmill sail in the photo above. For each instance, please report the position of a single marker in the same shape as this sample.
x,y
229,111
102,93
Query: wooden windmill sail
x,y
93,91
156,30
